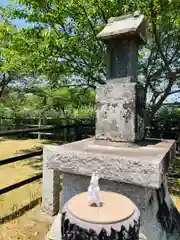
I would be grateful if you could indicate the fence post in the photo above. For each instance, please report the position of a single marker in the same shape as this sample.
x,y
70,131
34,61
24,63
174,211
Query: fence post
x,y
76,130
39,125
178,143
64,134
50,188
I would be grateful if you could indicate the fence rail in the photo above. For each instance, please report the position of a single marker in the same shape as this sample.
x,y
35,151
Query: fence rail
x,y
27,130
58,128
34,153
20,184
21,157
41,129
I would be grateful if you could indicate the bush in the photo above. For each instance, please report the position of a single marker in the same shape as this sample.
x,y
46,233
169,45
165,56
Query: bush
x,y
166,122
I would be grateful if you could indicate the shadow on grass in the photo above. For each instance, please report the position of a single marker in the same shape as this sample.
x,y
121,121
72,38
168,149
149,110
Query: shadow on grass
x,y
29,150
174,186
174,182
33,162
14,137
20,211
3,139
36,161
36,164
175,166
36,148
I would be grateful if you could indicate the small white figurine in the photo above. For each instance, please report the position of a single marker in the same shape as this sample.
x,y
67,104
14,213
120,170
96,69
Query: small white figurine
x,y
93,190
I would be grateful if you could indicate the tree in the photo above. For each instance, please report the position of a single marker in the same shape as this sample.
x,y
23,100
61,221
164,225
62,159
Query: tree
x,y
46,102
12,62
63,41
5,76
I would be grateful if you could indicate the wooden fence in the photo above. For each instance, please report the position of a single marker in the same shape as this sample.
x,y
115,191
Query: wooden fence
x,y
49,129
77,136
26,181
17,123
68,137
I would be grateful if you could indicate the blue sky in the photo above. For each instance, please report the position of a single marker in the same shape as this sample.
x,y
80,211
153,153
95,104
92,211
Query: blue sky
x,y
17,22
4,2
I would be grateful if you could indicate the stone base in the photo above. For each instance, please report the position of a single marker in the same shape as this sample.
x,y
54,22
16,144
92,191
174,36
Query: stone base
x,y
160,220
144,163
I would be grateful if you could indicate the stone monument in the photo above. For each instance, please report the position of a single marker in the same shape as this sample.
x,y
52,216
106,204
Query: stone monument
x,y
120,103
127,163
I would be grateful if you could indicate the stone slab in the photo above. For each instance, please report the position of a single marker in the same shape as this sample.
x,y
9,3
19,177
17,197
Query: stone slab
x,y
144,164
122,60
119,114
119,26
109,211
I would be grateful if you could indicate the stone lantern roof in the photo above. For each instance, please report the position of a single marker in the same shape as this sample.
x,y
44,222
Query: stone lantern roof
x,y
125,25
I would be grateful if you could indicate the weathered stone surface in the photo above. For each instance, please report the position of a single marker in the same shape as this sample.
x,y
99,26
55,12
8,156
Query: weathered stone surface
x,y
143,165
121,102
122,59
125,26
160,220
75,184
50,188
120,115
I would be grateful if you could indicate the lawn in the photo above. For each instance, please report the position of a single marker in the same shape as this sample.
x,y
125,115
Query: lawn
x,y
19,222
20,213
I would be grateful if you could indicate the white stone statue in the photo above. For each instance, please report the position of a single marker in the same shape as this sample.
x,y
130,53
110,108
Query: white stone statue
x,y
94,190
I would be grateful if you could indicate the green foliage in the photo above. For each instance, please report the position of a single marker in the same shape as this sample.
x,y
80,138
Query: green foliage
x,y
62,46
49,103
168,117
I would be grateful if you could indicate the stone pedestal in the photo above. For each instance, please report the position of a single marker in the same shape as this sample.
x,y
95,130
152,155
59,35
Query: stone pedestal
x,y
117,218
